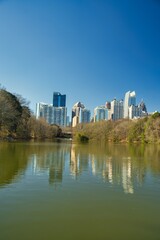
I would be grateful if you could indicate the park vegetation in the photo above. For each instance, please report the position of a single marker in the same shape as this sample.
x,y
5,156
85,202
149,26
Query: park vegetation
x,y
143,130
18,122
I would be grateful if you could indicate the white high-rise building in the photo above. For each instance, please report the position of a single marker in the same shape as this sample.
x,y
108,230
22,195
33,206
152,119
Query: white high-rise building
x,y
44,110
116,111
129,100
100,113
137,111
134,112
80,114
52,115
76,113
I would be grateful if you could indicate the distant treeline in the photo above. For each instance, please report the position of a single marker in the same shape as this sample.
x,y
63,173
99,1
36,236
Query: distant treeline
x,y
18,122
144,130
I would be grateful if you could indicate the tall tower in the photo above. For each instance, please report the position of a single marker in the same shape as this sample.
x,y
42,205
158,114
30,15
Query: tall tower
x,y
76,113
53,115
85,115
59,100
129,100
116,109
100,113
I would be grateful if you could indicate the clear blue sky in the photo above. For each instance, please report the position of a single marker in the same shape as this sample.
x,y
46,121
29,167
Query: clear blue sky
x,y
90,50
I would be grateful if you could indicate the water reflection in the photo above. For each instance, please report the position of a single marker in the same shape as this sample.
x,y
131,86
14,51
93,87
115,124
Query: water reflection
x,y
115,172
122,166
13,162
79,161
51,160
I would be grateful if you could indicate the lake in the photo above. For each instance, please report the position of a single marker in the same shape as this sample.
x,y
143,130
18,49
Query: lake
x,y
63,190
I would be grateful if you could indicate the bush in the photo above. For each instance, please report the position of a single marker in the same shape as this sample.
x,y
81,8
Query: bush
x,y
82,138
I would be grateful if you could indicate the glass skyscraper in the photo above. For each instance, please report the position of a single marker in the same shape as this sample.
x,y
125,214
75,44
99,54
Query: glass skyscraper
x,y
100,113
85,115
59,100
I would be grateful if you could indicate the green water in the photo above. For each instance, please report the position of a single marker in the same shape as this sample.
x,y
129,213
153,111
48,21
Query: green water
x,y
60,190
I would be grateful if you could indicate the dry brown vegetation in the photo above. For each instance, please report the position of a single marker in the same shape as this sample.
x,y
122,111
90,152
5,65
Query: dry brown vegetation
x,y
17,121
141,130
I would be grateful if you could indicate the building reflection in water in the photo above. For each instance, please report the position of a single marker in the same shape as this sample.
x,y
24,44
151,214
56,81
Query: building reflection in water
x,y
114,170
74,163
123,166
52,163
79,162
127,180
107,172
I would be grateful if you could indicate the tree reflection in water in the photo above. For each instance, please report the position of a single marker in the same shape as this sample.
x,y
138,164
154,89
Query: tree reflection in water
x,y
116,164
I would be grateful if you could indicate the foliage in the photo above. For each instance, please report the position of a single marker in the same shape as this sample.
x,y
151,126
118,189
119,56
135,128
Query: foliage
x,y
41,129
81,137
140,130
156,115
137,131
17,121
152,131
10,112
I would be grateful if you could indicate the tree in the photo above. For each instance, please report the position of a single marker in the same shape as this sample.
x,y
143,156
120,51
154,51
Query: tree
x,y
10,112
23,130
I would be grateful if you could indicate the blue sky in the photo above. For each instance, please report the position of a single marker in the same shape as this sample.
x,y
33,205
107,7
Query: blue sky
x,y
90,50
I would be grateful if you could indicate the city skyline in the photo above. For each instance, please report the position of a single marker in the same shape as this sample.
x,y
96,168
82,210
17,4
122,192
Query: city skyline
x,y
56,113
92,51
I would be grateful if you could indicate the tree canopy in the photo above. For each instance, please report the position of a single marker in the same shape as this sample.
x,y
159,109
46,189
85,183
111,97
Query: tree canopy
x,y
17,121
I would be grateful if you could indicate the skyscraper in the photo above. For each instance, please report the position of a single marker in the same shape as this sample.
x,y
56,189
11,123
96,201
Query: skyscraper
x,y
44,110
134,112
116,111
76,113
137,111
143,107
129,100
85,115
100,113
52,115
59,100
